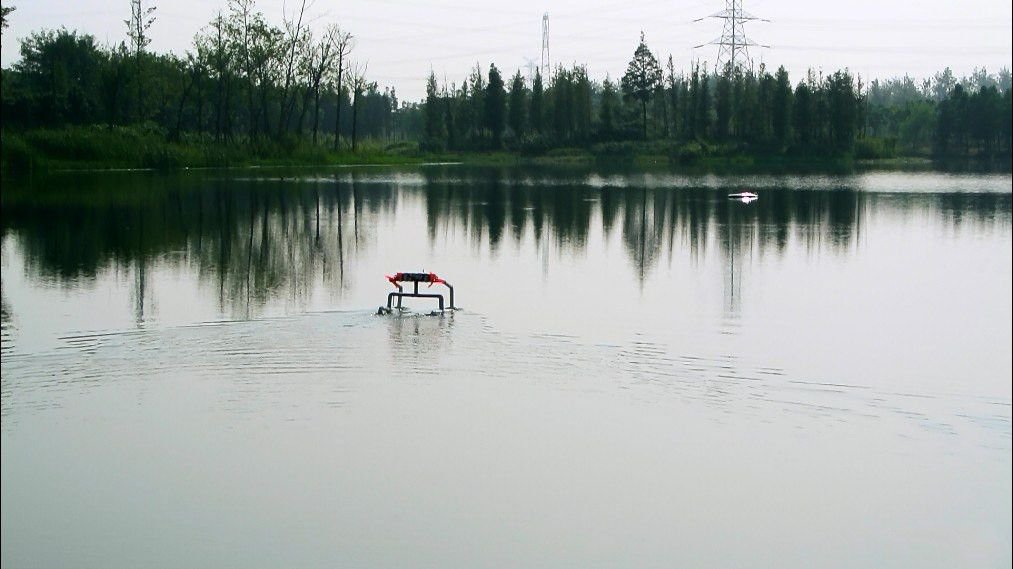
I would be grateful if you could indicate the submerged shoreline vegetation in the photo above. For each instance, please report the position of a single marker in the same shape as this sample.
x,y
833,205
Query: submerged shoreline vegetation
x,y
252,92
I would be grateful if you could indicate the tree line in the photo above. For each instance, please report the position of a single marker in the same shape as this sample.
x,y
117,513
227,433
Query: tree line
x,y
244,79
247,80
733,110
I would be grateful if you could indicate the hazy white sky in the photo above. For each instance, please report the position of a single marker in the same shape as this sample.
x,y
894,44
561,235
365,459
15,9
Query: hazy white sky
x,y
402,39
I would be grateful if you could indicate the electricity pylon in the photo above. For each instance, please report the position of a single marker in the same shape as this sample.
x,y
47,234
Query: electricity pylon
x,y
733,46
545,46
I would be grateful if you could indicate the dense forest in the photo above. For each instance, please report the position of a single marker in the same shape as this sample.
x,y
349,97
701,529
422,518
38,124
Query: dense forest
x,y
734,111
281,88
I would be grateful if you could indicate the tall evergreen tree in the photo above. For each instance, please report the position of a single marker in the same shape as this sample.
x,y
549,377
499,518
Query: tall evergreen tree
x,y
607,111
1006,131
703,106
643,75
843,110
581,103
495,106
435,130
685,103
764,115
476,88
560,107
537,113
802,115
747,120
517,117
723,102
673,96
450,119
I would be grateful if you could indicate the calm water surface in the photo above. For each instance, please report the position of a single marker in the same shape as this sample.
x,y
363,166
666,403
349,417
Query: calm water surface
x,y
644,373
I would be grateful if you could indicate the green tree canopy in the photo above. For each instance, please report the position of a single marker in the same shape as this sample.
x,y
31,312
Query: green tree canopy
x,y
495,105
537,104
643,75
4,12
518,105
61,69
781,111
435,127
607,110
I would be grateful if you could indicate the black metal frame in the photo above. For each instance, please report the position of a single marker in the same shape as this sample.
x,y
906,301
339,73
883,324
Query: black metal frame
x,y
415,279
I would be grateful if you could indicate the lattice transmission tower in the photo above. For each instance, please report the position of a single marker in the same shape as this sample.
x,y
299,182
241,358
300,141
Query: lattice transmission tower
x,y
530,65
733,45
545,67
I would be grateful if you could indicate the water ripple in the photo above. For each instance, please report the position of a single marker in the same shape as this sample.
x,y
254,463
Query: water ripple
x,y
335,354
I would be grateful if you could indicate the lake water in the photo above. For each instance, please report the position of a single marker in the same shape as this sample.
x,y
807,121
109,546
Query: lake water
x,y
643,372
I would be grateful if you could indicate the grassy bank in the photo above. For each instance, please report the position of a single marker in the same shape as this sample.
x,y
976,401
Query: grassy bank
x,y
98,147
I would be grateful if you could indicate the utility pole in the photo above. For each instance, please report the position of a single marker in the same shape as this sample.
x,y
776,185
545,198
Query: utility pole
x,y
733,45
546,67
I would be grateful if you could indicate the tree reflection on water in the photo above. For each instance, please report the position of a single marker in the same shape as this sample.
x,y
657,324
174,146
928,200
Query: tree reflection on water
x,y
262,238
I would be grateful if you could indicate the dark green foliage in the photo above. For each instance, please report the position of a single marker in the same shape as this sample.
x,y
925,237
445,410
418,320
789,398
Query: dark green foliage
x,y
843,109
5,12
976,124
148,147
518,114
569,105
723,105
698,111
1006,131
535,145
57,80
674,87
642,78
869,147
495,106
916,128
803,119
537,114
623,151
607,111
476,107
266,92
435,129
691,153
229,87
781,106
15,154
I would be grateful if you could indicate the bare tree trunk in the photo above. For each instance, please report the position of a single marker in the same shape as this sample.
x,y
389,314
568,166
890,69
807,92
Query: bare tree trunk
x,y
195,72
337,110
343,42
320,66
316,113
303,109
358,84
287,106
355,114
643,106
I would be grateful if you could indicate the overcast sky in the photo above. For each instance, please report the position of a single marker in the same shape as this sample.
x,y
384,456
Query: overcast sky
x,y
402,39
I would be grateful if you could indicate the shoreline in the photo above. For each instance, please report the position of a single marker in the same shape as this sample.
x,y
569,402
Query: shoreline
x,y
88,149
